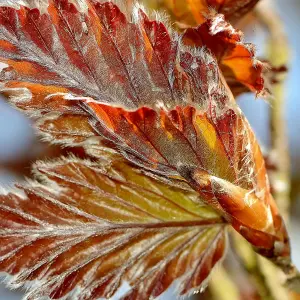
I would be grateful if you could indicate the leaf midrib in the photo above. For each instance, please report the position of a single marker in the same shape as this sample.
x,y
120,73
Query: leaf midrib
x,y
99,228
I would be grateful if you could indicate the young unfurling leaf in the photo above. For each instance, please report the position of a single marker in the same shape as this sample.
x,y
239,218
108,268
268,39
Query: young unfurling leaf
x,y
216,154
242,71
93,226
90,76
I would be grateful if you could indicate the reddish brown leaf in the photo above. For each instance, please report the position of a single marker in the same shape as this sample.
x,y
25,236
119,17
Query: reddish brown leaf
x,y
216,154
242,71
106,224
236,59
108,39
58,119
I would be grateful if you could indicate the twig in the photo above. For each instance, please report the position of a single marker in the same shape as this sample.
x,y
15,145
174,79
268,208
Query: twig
x,y
255,269
278,55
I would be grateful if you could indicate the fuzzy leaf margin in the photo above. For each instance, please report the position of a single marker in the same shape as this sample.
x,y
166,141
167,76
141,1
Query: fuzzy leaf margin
x,y
242,70
206,23
132,85
87,228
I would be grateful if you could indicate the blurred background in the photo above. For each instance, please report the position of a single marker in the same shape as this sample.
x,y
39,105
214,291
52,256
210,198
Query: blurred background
x,y
18,143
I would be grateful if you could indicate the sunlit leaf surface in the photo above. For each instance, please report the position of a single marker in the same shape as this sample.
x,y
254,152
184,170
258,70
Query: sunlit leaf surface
x,y
92,76
237,61
194,12
93,226
242,71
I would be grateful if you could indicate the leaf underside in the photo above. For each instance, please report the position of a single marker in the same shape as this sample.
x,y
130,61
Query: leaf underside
x,y
89,227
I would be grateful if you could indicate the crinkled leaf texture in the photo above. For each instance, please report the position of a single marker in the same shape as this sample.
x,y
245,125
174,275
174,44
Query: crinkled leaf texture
x,y
92,226
242,71
92,77
237,61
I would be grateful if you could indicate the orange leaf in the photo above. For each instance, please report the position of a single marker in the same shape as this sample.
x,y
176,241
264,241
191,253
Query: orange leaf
x,y
236,59
242,71
194,12
216,154
106,224
57,119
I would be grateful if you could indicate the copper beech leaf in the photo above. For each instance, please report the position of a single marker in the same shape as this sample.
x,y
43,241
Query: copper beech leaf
x,y
91,227
94,77
237,61
242,71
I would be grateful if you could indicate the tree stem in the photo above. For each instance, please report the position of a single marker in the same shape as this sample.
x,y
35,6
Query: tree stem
x,y
278,54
